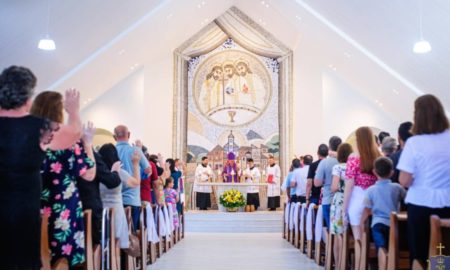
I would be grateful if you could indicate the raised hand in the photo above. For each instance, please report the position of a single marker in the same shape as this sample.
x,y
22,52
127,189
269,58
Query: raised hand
x,y
116,166
72,101
138,143
135,157
88,132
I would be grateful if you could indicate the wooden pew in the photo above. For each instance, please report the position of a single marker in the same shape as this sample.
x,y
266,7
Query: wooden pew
x,y
310,247
329,252
398,255
89,264
114,245
302,229
130,262
160,245
142,234
439,235
151,247
285,233
320,246
368,249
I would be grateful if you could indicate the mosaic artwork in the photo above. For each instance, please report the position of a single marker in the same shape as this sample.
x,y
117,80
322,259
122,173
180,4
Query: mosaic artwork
x,y
232,106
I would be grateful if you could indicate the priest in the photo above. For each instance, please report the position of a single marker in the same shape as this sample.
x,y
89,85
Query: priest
x,y
273,173
230,172
203,174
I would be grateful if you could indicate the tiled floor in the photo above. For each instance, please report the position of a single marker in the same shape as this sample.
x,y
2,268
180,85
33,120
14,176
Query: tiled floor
x,y
225,251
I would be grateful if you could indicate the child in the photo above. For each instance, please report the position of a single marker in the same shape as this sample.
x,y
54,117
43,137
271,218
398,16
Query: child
x,y
382,198
337,217
171,197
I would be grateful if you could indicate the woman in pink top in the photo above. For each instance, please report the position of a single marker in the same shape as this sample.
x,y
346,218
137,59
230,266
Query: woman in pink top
x,y
359,177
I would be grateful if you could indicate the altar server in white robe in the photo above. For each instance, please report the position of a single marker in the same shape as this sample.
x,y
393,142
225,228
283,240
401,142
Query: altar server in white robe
x,y
273,173
203,174
252,176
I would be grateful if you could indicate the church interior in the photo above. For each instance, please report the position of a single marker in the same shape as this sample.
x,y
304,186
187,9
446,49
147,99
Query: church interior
x,y
201,134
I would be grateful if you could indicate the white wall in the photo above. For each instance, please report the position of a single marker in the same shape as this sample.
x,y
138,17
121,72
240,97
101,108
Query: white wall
x,y
345,109
122,104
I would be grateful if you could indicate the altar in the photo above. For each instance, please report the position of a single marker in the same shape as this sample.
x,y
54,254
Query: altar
x,y
219,188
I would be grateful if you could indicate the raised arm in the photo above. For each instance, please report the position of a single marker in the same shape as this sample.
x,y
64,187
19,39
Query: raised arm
x,y
68,134
88,136
135,179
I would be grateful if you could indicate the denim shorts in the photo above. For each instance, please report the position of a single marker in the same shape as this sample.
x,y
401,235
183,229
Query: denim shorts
x,y
380,235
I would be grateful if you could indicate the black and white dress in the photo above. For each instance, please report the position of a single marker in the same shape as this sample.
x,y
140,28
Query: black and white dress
x,y
273,173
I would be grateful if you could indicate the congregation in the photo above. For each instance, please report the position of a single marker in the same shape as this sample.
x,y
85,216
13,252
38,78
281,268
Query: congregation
x,y
49,169
377,178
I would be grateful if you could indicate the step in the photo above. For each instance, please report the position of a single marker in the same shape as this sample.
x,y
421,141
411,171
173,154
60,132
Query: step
x,y
239,222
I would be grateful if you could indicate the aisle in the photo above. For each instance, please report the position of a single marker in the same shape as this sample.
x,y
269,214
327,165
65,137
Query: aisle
x,y
225,251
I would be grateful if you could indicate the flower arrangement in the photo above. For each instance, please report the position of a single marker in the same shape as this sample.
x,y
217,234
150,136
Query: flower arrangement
x,y
232,199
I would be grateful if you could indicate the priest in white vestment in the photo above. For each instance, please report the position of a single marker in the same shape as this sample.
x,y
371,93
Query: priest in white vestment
x,y
273,173
252,176
203,174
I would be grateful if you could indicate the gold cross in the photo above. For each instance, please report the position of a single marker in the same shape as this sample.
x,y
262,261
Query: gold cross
x,y
440,247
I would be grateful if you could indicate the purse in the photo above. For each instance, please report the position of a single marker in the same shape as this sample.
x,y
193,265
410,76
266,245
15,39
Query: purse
x,y
134,250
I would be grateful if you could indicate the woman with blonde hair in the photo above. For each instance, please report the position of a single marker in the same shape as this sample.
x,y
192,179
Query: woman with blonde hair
x,y
425,169
359,177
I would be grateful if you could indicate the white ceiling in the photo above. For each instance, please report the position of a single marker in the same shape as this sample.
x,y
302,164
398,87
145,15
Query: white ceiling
x,y
368,43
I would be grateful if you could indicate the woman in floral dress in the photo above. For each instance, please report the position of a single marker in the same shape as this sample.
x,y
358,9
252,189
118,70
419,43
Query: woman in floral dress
x,y
337,215
60,198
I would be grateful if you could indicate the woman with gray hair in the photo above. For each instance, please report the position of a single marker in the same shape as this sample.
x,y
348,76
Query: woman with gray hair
x,y
23,141
388,146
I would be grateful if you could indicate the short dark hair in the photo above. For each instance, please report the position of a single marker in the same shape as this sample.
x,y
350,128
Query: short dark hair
x,y
382,135
322,150
383,166
404,131
205,157
250,160
296,163
429,116
16,87
168,181
334,143
307,160
343,152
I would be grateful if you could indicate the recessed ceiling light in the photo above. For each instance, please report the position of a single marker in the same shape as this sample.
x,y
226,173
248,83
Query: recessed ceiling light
x,y
267,5
169,16
395,91
298,17
347,55
263,2
121,52
47,44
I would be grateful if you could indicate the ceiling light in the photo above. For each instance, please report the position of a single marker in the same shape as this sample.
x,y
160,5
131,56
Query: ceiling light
x,y
347,55
395,91
169,16
421,46
47,43
298,17
267,5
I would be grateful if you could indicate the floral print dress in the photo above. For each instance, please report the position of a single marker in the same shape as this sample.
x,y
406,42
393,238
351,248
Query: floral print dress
x,y
60,200
338,225
171,200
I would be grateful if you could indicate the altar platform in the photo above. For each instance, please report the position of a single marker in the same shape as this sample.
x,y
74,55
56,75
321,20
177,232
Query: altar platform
x,y
213,221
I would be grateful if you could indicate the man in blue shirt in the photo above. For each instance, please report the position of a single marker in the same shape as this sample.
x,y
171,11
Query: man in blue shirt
x,y
324,177
131,196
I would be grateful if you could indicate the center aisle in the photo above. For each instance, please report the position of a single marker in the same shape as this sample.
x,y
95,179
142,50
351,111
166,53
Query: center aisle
x,y
224,251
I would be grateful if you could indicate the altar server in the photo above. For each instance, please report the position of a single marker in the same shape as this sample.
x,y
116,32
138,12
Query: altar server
x,y
273,173
252,176
203,174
